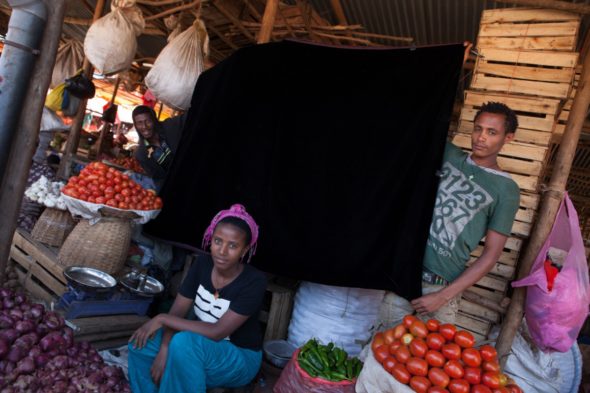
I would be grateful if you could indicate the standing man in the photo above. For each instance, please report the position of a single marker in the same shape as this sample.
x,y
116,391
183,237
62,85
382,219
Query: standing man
x,y
158,142
475,199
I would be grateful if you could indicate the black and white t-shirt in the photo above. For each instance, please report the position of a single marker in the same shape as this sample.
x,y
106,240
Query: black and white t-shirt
x,y
243,295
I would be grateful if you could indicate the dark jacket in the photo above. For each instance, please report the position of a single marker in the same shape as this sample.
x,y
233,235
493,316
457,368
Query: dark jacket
x,y
170,130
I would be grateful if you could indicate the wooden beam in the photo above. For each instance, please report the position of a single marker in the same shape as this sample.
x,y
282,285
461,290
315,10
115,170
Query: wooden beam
x,y
553,4
253,11
88,6
232,18
552,198
339,11
173,10
25,141
221,36
74,134
305,9
382,36
345,38
158,3
268,21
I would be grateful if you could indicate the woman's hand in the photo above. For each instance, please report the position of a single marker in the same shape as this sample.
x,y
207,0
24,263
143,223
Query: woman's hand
x,y
159,365
146,331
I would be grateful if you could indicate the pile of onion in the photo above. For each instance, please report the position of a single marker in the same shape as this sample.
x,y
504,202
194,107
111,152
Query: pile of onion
x,y
38,353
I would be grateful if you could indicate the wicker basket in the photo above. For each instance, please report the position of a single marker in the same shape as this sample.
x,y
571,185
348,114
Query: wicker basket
x,y
103,246
53,226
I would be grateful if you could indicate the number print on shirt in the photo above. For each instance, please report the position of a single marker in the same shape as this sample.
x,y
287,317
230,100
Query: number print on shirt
x,y
458,200
207,308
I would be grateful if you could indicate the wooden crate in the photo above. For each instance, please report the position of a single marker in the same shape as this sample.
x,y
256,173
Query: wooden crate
x,y
527,62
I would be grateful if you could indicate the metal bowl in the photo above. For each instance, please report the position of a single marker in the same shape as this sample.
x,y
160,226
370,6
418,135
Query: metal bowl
x,y
89,279
142,284
278,352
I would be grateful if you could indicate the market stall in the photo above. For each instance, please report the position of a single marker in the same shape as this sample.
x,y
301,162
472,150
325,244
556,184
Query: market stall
x,y
77,262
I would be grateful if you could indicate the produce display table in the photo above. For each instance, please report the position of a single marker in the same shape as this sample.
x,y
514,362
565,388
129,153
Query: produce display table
x,y
42,276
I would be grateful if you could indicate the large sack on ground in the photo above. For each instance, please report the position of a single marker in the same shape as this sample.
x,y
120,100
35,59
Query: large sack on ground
x,y
174,75
111,41
344,316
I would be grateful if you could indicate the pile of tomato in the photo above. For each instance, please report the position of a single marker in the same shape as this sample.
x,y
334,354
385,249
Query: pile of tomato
x,y
129,163
98,183
432,357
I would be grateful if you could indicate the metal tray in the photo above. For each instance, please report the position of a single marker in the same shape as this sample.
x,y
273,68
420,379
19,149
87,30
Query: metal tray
x,y
89,279
142,284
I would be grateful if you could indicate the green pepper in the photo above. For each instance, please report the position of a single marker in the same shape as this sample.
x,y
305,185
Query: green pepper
x,y
314,359
349,368
306,365
322,356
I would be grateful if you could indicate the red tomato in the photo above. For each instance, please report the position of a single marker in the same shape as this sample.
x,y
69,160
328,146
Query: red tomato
x,y
402,354
418,348
447,331
493,367
454,369
419,329
398,331
435,358
451,351
388,336
438,377
420,384
408,320
471,357
401,373
377,341
417,366
503,379
432,325
458,386
92,199
480,389
473,375
490,379
394,346
389,363
126,192
381,353
488,353
123,205
464,339
513,388
436,389
435,341
502,389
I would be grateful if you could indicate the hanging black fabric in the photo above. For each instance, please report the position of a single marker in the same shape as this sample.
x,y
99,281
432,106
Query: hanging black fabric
x,y
334,151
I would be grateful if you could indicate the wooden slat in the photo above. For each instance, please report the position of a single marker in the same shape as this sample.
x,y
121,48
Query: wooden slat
x,y
493,283
544,58
36,290
529,122
564,75
529,183
529,201
548,106
565,43
40,253
508,258
37,271
479,311
526,15
522,135
513,149
472,324
513,243
499,269
490,294
546,89
107,323
569,28
521,228
525,215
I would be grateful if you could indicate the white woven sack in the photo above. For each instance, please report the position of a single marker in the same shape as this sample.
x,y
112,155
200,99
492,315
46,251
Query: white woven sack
x,y
345,316
68,61
111,41
174,75
374,379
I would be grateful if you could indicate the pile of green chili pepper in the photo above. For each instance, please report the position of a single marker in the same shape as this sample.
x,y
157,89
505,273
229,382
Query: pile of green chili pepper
x,y
328,362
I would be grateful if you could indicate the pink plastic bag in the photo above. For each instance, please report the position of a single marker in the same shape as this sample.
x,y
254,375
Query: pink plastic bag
x,y
294,379
555,317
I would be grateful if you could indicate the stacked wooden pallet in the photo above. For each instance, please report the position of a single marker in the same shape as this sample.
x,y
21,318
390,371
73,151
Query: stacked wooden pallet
x,y
527,61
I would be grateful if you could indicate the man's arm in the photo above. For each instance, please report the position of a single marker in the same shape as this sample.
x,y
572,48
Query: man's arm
x,y
492,249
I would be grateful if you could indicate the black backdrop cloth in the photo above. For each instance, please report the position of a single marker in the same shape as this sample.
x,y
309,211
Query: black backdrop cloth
x,y
334,151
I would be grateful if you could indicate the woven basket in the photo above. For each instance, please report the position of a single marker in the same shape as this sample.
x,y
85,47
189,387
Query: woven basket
x,y
103,246
53,226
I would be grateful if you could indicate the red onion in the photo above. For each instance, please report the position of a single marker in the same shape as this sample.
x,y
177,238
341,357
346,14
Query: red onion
x,y
25,366
6,322
16,314
16,353
3,348
9,335
5,292
24,326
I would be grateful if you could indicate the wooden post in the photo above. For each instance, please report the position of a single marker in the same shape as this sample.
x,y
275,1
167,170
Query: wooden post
x,y
108,126
268,21
553,4
71,148
25,142
550,204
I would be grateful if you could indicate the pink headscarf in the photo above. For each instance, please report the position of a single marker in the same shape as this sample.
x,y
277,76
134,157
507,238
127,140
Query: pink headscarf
x,y
237,211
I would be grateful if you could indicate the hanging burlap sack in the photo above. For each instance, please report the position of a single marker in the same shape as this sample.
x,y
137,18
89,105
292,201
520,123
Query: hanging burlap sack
x,y
111,41
70,57
174,74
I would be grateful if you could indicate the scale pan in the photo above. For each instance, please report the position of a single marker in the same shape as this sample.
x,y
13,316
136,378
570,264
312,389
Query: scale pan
x,y
89,279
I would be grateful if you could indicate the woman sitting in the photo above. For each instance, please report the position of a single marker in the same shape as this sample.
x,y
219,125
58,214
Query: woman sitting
x,y
223,347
